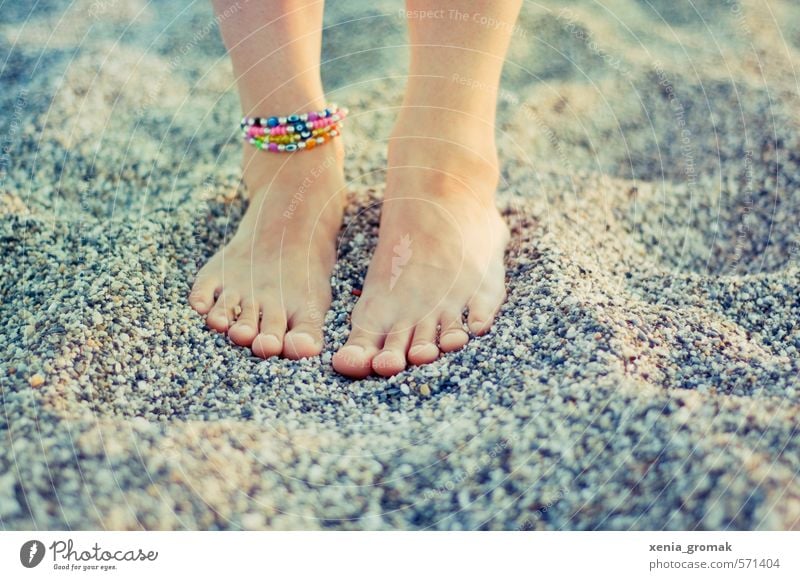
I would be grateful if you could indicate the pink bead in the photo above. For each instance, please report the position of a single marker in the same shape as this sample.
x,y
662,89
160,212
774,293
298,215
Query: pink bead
x,y
275,131
273,146
313,116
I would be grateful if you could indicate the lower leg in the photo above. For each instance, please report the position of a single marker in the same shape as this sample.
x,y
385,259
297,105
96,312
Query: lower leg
x,y
442,240
268,288
455,66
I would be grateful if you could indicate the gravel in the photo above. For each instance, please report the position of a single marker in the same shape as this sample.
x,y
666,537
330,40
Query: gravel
x,y
642,375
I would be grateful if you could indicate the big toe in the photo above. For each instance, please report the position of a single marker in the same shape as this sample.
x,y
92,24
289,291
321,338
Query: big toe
x,y
299,345
388,363
302,341
354,361
242,333
266,345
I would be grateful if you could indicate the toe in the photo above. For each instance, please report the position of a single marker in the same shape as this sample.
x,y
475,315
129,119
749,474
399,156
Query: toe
x,y
304,339
266,345
423,346
482,311
392,357
222,315
269,341
245,329
354,359
452,336
201,297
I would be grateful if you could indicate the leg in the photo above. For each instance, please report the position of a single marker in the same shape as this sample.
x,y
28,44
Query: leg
x,y
442,241
269,287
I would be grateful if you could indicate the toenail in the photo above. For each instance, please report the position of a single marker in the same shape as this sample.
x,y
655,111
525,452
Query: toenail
x,y
299,335
454,331
476,326
417,349
353,357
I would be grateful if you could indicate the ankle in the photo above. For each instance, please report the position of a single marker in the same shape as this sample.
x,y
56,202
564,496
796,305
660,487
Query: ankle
x,y
471,129
263,170
447,156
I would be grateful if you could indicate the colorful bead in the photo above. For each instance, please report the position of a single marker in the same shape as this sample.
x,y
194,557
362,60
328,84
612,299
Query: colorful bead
x,y
293,132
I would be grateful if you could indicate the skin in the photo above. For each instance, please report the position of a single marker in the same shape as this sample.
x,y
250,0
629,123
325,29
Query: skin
x,y
441,243
269,287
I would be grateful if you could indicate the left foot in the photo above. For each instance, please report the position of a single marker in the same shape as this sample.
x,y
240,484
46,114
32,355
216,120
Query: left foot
x,y
440,251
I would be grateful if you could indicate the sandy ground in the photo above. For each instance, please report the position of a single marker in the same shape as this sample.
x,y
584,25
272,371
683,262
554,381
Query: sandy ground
x,y
643,374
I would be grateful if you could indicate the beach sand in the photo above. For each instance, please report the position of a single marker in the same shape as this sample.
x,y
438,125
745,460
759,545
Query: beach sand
x,y
642,375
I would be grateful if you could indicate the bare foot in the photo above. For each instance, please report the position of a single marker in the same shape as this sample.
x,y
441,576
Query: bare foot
x,y
440,252
269,287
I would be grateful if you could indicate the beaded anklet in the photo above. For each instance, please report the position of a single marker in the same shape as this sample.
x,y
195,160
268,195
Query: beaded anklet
x,y
294,132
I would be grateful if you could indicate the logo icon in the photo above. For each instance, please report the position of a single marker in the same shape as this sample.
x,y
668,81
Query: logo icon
x,y
31,553
402,254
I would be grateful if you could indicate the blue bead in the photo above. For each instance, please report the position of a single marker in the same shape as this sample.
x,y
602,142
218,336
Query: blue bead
x,y
291,147
305,134
293,118
300,127
273,122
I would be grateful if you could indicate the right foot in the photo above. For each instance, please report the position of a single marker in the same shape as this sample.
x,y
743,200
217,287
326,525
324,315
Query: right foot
x,y
269,287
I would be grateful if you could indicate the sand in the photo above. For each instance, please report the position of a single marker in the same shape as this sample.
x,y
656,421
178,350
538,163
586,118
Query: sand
x,y
642,375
